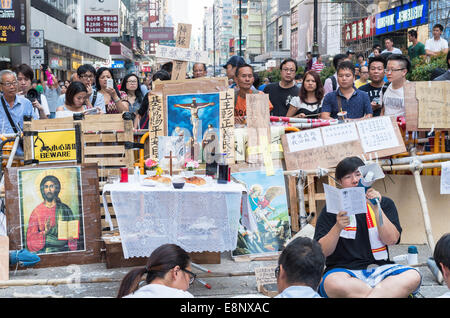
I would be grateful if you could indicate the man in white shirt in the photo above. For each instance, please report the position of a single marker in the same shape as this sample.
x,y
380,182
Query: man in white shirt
x,y
441,256
436,45
389,45
300,269
393,99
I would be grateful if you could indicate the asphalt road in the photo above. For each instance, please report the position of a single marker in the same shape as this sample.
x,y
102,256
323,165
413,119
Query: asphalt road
x,y
221,287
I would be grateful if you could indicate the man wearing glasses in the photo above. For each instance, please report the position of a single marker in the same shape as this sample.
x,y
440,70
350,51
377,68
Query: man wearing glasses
x,y
86,75
393,99
281,93
14,107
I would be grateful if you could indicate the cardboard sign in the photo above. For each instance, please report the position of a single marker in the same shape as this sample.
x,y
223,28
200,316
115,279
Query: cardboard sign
x,y
4,258
375,138
426,105
53,146
156,122
181,54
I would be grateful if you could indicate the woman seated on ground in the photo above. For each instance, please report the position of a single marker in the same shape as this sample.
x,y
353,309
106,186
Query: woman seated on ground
x,y
113,103
76,95
130,86
309,101
167,275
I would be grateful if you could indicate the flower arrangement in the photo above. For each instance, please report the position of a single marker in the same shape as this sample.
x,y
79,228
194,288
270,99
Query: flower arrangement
x,y
153,165
190,165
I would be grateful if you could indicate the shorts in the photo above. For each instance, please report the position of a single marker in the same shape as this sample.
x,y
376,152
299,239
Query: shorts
x,y
371,276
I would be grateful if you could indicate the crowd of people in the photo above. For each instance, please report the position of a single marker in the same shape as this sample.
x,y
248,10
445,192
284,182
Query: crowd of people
x,y
338,261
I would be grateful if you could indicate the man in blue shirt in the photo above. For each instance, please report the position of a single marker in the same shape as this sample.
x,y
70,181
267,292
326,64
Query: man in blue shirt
x,y
300,269
17,106
347,102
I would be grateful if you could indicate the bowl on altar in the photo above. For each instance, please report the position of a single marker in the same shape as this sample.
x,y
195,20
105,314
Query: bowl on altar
x,y
178,183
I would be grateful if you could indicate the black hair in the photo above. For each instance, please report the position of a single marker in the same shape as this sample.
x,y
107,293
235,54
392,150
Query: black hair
x,y
401,58
388,38
26,71
377,59
55,182
85,68
167,67
73,89
162,260
439,26
376,46
123,87
359,54
161,75
413,33
346,65
337,59
97,79
441,252
348,165
289,60
303,262
242,66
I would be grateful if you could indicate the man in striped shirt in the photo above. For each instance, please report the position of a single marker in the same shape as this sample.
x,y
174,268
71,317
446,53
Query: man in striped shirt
x,y
318,65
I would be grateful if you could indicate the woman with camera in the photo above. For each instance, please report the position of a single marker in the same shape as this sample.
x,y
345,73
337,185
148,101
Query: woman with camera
x,y
25,76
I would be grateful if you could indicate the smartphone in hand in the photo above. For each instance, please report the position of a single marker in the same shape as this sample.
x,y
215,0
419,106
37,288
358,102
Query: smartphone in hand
x,y
110,83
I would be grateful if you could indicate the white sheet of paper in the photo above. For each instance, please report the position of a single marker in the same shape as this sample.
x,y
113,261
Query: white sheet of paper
x,y
377,134
351,200
336,134
445,177
303,140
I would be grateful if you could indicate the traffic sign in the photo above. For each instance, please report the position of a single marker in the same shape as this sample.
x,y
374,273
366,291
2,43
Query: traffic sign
x,y
37,39
36,58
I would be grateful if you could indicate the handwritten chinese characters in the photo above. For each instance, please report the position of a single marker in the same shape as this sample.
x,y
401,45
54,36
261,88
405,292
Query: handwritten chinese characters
x,y
227,123
156,123
434,102
181,54
303,140
336,134
377,134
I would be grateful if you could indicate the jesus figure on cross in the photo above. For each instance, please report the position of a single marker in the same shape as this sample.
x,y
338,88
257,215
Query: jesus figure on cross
x,y
194,108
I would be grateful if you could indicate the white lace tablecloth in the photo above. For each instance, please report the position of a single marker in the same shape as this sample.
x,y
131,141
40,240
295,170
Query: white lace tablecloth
x,y
197,218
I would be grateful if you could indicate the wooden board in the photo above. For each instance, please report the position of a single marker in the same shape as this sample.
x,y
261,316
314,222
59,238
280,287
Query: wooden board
x,y
329,156
258,126
426,105
4,258
91,218
183,39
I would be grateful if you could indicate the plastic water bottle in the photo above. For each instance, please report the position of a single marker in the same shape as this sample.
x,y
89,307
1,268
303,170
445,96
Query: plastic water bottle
x,y
137,175
412,255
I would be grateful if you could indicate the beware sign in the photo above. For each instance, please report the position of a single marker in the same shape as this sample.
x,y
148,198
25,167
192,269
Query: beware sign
x,y
55,146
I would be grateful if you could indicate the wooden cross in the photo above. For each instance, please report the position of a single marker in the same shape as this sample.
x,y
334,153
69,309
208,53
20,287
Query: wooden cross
x,y
170,157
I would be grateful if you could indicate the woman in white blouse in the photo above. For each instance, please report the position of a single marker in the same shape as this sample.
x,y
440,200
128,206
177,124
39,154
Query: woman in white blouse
x,y
309,102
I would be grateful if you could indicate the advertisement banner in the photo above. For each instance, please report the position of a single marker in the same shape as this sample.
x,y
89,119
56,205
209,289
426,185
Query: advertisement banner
x,y
101,18
409,15
13,22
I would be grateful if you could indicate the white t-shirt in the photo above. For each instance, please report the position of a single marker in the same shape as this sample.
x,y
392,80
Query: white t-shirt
x,y
44,104
159,291
394,101
394,51
436,46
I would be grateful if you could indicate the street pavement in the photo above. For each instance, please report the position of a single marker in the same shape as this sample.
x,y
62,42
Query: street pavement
x,y
221,287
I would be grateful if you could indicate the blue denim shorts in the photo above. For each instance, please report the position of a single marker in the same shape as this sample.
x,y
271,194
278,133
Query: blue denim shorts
x,y
371,276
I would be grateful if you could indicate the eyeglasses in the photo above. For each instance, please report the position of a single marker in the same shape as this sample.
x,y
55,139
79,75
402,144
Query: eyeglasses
x,y
192,276
9,84
277,271
132,82
87,76
394,70
288,70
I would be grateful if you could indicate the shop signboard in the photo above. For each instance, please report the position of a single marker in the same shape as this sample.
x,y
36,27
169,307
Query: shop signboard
x,y
358,30
409,15
118,64
13,22
101,18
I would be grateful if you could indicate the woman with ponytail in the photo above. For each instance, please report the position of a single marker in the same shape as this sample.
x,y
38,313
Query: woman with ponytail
x,y
167,275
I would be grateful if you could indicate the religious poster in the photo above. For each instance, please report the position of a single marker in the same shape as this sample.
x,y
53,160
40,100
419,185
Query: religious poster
x,y
268,203
191,116
174,144
51,210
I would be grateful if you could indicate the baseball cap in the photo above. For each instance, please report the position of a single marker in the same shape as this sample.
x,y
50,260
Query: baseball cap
x,y
235,60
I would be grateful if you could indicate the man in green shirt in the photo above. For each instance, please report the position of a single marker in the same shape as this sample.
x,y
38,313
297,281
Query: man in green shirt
x,y
417,48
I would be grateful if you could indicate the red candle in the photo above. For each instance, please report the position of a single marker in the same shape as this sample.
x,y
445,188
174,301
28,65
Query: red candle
x,y
124,174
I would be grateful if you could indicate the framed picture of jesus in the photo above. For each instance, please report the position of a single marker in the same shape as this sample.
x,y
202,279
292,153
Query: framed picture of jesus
x,y
193,115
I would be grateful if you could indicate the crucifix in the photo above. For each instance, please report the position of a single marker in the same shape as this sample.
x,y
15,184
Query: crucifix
x,y
170,163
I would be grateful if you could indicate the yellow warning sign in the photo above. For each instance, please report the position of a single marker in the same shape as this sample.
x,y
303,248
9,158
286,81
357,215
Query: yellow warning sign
x,y
55,146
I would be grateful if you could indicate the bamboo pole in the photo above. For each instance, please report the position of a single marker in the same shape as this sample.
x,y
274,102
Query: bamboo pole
x,y
89,280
